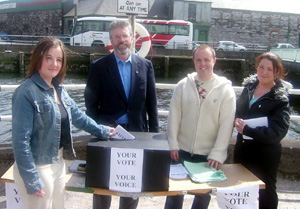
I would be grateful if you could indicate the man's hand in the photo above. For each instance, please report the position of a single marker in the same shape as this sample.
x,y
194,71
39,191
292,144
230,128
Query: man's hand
x,y
175,155
213,163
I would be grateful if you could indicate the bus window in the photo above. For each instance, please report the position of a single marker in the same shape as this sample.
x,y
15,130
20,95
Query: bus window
x,y
78,28
157,29
95,26
106,26
182,30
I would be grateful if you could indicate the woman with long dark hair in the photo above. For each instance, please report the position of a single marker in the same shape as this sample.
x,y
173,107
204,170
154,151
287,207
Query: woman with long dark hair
x,y
42,114
258,148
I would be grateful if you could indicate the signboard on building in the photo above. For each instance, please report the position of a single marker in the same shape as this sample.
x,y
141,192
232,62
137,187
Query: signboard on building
x,y
29,5
139,7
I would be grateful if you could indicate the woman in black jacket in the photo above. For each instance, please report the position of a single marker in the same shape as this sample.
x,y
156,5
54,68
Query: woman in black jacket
x,y
258,148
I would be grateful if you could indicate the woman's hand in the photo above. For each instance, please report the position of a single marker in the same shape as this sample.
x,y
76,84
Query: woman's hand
x,y
213,163
239,125
111,133
40,193
175,155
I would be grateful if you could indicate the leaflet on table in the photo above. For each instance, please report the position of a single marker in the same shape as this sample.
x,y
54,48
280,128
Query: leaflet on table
x,y
178,171
122,134
74,166
200,173
256,122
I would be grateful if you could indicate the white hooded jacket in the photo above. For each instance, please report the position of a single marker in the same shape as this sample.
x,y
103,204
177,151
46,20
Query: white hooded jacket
x,y
202,128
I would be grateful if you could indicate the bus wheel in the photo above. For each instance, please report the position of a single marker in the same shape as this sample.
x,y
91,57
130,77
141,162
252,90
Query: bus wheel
x,y
98,43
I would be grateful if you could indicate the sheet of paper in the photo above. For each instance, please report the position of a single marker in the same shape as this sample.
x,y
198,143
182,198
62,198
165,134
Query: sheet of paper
x,y
122,134
126,166
178,171
74,166
200,173
256,122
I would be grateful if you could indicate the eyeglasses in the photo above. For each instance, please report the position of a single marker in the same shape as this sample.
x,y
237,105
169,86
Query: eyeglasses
x,y
122,36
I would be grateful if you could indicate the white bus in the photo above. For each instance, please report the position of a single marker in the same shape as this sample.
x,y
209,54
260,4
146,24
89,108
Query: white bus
x,y
171,34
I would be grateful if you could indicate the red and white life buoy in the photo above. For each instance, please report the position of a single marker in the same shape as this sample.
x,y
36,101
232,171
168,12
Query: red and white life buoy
x,y
144,38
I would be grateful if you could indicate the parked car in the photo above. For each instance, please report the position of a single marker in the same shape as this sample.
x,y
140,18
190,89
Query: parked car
x,y
283,46
229,46
5,36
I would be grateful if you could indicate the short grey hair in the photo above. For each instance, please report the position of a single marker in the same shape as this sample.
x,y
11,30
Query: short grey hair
x,y
119,24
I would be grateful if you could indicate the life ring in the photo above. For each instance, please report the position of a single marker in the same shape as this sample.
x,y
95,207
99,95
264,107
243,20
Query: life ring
x,y
144,37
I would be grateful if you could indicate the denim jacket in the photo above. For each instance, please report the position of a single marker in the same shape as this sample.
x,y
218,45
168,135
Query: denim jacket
x,y
36,127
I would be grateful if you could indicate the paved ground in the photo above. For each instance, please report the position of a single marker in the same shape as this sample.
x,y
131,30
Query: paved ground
x,y
288,191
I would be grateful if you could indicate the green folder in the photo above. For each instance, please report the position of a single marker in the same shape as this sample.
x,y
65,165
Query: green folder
x,y
199,173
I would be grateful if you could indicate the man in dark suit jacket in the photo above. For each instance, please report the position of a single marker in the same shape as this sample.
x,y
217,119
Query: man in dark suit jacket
x,y
121,90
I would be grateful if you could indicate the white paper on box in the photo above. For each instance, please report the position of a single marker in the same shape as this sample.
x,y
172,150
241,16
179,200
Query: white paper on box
x,y
126,169
122,134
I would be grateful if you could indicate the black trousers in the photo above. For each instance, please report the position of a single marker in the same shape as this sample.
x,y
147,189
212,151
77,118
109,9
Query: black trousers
x,y
200,201
104,202
263,161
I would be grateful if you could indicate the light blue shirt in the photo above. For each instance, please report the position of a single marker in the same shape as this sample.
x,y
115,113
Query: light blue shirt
x,y
125,73
252,101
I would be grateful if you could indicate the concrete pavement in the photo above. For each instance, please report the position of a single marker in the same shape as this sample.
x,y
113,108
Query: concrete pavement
x,y
288,192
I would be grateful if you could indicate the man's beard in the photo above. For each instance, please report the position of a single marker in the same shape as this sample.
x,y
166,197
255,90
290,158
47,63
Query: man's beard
x,y
123,51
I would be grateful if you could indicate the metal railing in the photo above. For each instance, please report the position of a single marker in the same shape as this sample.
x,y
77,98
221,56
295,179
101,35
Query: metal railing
x,y
189,45
292,55
237,89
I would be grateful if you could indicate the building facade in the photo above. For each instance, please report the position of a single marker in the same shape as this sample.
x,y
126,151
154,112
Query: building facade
x,y
31,17
241,21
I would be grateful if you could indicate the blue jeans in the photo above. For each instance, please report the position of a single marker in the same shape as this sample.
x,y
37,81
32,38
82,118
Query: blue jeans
x,y
200,201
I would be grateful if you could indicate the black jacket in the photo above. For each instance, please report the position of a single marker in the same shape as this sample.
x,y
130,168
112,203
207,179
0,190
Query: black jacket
x,y
274,105
105,97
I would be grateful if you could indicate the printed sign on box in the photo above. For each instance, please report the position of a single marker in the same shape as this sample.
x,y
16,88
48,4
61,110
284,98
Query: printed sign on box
x,y
243,197
12,196
126,166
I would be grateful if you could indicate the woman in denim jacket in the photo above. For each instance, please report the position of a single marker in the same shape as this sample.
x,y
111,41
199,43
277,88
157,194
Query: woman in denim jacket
x,y
42,114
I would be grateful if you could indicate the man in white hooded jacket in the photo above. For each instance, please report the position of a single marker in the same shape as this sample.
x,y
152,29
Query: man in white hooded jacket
x,y
200,120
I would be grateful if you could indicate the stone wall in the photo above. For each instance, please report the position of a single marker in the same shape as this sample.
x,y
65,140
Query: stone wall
x,y
289,167
37,23
254,27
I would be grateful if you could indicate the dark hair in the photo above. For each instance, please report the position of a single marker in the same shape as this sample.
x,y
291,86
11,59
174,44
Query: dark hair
x,y
40,50
119,24
205,46
278,69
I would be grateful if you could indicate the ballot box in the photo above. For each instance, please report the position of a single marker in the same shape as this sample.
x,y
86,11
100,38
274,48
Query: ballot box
x,y
153,158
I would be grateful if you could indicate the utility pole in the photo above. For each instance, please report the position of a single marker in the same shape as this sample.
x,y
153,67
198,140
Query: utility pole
x,y
131,18
75,2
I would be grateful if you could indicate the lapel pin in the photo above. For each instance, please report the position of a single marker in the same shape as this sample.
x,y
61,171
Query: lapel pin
x,y
136,72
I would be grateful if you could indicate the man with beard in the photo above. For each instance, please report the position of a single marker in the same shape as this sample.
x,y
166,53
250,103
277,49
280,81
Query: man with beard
x,y
121,91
